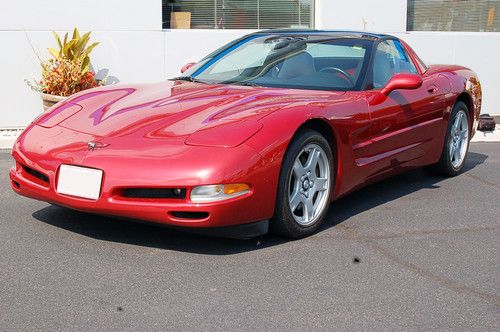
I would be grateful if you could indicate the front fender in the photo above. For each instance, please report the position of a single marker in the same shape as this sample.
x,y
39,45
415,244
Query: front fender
x,y
349,122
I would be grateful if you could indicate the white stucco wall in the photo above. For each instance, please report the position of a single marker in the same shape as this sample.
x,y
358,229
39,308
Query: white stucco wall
x,y
135,49
86,14
369,15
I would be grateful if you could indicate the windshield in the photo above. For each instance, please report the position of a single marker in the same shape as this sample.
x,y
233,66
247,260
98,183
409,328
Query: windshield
x,y
310,62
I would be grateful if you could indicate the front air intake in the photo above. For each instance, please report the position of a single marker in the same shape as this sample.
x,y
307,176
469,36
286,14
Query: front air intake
x,y
36,174
189,215
158,193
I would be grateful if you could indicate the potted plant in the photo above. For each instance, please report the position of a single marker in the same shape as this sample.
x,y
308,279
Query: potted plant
x,y
68,72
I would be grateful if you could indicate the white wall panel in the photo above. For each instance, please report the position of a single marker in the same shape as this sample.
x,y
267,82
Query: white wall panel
x,y
85,14
368,15
19,103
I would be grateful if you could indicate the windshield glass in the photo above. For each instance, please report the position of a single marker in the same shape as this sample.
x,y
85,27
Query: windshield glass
x,y
311,62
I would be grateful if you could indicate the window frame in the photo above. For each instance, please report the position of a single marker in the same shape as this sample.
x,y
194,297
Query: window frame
x,y
368,84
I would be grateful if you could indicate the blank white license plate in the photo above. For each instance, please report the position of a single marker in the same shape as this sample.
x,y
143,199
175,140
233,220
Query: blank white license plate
x,y
79,181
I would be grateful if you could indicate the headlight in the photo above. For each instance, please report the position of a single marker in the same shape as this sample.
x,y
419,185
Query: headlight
x,y
218,192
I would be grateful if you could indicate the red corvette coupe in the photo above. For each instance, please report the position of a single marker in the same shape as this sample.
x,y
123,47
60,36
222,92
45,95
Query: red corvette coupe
x,y
261,134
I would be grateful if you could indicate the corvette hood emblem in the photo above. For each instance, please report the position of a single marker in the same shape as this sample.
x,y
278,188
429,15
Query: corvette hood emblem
x,y
93,145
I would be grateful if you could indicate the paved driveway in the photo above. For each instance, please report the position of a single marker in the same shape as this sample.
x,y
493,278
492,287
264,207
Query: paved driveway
x,y
413,252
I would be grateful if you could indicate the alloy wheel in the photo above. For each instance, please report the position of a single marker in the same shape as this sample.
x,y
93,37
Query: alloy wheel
x,y
459,137
309,184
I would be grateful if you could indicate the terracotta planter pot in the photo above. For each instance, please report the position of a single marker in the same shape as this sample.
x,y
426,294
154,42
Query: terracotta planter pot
x,y
49,100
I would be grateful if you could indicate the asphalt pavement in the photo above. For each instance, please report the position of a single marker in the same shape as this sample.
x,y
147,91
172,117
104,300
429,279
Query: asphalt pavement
x,y
414,252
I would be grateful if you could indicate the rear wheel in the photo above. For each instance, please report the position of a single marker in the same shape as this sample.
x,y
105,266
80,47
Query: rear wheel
x,y
305,185
456,143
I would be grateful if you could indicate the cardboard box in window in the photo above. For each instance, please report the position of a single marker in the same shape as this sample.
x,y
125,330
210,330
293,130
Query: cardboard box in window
x,y
180,20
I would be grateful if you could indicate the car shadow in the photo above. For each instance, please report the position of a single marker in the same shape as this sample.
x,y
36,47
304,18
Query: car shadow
x,y
388,190
148,235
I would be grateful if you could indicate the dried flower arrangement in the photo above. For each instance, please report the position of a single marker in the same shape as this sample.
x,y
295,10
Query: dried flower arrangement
x,y
68,72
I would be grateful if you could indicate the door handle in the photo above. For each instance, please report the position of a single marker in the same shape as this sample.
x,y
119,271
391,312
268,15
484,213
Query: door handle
x,y
432,89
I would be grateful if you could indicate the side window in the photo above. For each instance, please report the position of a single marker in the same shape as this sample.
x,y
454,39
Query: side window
x,y
390,59
403,59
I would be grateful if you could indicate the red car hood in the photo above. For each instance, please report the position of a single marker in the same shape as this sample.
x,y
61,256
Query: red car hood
x,y
175,109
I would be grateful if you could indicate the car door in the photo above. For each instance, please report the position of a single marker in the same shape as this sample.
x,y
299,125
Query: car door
x,y
406,124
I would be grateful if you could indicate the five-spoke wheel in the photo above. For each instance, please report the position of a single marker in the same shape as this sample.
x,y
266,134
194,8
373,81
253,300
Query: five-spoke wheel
x,y
459,139
309,184
305,185
456,143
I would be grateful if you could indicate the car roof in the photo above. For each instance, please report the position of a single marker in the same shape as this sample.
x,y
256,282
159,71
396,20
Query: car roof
x,y
327,33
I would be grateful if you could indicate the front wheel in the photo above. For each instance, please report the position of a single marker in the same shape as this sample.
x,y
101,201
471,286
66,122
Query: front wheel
x,y
456,143
305,185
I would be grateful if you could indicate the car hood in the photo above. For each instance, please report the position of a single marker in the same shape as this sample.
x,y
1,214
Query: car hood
x,y
212,115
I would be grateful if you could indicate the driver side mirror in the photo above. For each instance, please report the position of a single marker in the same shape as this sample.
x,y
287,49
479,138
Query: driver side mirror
x,y
402,81
187,66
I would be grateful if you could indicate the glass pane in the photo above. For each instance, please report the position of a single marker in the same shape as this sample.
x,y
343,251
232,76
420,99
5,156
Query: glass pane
x,y
236,14
247,56
312,62
390,59
285,14
453,15
241,14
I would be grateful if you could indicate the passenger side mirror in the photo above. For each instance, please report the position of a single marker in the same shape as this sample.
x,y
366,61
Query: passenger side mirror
x,y
402,81
187,66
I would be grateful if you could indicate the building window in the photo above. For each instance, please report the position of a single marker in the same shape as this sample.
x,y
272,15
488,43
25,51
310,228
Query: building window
x,y
453,15
237,14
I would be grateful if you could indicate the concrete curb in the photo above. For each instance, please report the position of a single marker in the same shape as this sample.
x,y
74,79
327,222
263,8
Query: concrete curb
x,y
6,143
492,136
8,136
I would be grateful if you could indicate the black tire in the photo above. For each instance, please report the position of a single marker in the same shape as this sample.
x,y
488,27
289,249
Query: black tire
x,y
444,166
283,222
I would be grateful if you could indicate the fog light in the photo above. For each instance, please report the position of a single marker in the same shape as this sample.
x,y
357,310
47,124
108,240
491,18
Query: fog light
x,y
218,192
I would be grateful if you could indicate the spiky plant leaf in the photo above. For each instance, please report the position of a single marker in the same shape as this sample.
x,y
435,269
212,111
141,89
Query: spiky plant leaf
x,y
80,45
68,48
56,36
89,49
76,34
54,53
85,67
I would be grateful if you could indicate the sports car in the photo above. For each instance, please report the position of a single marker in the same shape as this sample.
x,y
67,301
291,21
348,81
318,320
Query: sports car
x,y
262,134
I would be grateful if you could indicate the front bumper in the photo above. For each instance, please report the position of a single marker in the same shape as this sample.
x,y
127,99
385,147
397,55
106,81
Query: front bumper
x,y
163,211
35,176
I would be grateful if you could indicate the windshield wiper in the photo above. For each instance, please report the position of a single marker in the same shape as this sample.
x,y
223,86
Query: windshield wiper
x,y
244,83
187,78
